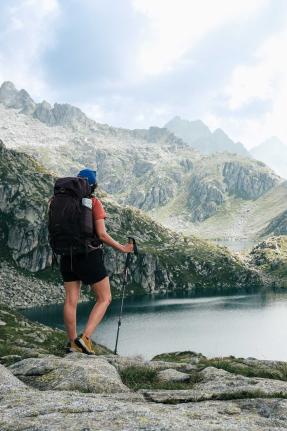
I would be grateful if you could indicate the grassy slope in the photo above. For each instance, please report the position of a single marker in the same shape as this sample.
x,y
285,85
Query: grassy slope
x,y
21,338
270,256
189,260
238,218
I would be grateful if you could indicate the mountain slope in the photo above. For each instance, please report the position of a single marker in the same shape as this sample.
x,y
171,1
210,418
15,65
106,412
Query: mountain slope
x,y
240,219
58,115
277,226
151,169
167,261
270,256
198,135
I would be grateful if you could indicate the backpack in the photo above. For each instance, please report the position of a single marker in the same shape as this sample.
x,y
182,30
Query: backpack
x,y
70,218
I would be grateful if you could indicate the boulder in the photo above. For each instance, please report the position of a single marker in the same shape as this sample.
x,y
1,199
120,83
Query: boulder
x,y
56,410
171,375
62,406
75,371
9,382
123,362
220,384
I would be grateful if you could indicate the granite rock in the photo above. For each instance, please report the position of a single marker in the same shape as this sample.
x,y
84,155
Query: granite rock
x,y
75,371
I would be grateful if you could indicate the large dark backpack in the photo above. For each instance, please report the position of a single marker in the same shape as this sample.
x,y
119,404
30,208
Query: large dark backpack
x,y
71,226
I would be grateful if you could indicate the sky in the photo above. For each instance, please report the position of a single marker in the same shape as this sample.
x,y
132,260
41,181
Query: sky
x,y
138,63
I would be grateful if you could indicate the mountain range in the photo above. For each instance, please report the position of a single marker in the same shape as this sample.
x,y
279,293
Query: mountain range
x,y
272,152
198,135
219,195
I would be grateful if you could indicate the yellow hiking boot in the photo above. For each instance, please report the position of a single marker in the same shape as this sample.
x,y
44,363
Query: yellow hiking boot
x,y
85,343
72,347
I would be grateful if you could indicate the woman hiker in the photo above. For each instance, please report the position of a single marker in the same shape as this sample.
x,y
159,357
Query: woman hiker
x,y
91,270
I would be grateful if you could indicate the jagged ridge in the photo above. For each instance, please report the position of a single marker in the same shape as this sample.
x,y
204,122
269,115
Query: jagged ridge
x,y
198,135
151,169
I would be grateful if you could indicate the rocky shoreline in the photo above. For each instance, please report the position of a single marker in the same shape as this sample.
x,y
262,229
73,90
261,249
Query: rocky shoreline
x,y
266,261
19,290
43,389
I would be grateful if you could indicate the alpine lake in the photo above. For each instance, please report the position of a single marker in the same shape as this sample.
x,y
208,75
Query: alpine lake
x,y
239,325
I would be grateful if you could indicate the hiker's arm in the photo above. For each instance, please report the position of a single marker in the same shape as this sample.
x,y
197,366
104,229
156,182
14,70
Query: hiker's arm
x,y
108,240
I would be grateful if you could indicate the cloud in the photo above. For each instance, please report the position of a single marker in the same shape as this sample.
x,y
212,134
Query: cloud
x,y
176,27
136,63
96,44
264,84
25,33
190,86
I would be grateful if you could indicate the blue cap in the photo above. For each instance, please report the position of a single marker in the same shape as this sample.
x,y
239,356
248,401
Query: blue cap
x,y
89,174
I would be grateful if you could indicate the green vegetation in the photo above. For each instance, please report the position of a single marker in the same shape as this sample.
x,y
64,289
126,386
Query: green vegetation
x,y
241,366
270,256
168,261
20,338
184,357
144,377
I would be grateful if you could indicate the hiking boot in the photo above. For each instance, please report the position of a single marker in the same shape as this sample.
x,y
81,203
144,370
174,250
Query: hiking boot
x,y
72,347
85,343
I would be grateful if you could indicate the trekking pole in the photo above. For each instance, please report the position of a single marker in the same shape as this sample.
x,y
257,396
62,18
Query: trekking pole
x,y
131,241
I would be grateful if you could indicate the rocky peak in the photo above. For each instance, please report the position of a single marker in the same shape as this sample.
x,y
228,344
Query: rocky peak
x,y
7,91
12,98
220,134
155,134
222,142
68,114
43,112
60,114
189,131
198,135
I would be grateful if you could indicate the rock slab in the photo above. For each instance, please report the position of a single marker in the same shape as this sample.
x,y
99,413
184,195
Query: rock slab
x,y
76,371
220,384
24,408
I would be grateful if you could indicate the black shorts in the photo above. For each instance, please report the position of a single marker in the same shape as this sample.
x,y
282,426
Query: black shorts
x,y
88,268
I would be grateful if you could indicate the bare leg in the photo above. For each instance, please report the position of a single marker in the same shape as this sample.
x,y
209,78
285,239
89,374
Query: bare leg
x,y
70,307
103,294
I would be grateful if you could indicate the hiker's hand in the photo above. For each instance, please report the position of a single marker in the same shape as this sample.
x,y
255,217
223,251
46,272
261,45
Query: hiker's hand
x,y
128,248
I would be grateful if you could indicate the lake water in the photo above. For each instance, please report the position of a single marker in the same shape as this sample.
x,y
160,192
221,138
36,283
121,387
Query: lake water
x,y
241,325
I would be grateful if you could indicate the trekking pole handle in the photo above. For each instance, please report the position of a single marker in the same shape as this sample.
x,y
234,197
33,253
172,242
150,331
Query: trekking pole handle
x,y
131,240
